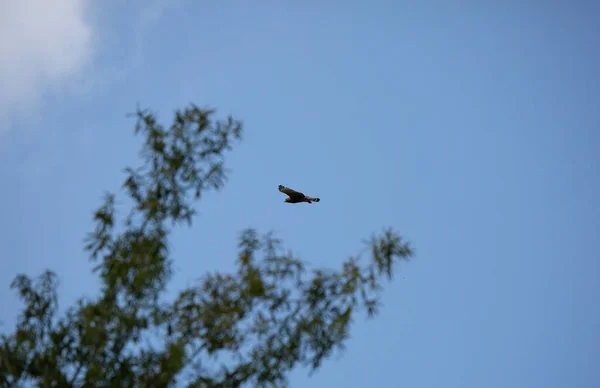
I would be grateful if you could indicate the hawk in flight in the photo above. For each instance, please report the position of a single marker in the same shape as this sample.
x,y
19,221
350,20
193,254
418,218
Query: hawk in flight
x,y
295,196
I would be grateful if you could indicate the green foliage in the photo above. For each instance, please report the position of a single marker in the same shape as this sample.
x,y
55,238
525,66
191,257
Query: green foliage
x,y
250,327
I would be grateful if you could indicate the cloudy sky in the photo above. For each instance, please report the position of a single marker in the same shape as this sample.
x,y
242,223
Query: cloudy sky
x,y
473,128
44,49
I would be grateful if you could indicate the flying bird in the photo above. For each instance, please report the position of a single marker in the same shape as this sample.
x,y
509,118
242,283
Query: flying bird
x,y
295,196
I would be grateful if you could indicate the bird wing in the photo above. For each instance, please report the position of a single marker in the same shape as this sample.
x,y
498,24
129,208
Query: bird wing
x,y
290,192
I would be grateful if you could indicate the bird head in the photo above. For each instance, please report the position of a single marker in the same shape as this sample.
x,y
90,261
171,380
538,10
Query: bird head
x,y
287,199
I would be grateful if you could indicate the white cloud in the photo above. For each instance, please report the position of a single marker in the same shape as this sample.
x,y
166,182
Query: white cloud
x,y
44,46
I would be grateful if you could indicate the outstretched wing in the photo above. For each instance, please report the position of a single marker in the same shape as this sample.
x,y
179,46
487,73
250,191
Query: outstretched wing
x,y
290,192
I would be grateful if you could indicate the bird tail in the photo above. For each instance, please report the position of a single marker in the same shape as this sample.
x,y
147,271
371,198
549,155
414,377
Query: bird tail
x,y
311,199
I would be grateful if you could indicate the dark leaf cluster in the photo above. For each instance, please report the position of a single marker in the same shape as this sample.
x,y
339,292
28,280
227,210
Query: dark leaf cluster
x,y
249,327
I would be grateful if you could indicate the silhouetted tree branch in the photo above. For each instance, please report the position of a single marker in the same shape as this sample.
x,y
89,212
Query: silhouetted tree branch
x,y
252,326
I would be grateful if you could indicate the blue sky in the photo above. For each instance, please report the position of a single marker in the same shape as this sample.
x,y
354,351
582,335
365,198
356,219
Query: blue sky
x,y
473,128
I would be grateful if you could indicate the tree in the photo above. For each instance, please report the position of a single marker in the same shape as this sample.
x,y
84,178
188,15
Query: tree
x,y
249,327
